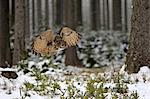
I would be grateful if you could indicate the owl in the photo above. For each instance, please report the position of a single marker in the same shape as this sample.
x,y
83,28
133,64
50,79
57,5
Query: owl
x,y
48,43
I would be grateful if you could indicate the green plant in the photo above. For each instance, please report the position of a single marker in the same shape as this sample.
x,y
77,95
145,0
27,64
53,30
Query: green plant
x,y
28,86
96,89
55,86
134,95
114,96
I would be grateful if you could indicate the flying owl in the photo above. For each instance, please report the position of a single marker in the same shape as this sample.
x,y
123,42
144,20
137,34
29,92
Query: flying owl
x,y
48,43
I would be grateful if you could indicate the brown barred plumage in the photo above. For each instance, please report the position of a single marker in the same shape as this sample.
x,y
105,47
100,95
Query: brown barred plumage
x,y
47,43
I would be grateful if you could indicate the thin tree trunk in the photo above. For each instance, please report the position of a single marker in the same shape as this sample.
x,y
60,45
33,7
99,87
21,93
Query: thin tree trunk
x,y
47,14
19,44
69,20
106,15
39,16
57,12
12,17
95,14
116,14
124,15
27,24
78,12
126,18
68,13
33,17
139,48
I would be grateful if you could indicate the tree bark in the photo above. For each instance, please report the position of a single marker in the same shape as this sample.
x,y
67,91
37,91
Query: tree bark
x,y
27,25
5,53
39,16
95,14
12,15
19,44
106,14
68,13
78,12
72,58
47,14
57,12
116,14
139,49
33,18
69,20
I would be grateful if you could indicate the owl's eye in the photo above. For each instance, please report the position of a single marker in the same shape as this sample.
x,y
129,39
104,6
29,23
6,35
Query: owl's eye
x,y
49,43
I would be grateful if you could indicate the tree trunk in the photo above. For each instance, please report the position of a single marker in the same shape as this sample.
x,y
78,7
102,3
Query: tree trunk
x,y
116,14
72,58
139,48
27,25
33,18
78,12
47,14
106,14
69,20
57,12
95,14
39,16
19,44
68,13
5,53
124,15
12,14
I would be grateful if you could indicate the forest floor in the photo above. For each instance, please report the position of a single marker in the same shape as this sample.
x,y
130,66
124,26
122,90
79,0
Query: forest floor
x,y
101,52
43,80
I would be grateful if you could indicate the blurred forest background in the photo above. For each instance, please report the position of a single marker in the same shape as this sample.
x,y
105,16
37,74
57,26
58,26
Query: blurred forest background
x,y
105,48
103,24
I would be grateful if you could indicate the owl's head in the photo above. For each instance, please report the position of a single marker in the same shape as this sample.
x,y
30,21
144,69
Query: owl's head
x,y
59,42
66,31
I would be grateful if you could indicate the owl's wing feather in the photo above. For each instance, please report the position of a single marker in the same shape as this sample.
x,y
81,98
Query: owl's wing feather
x,y
47,35
38,45
70,36
41,43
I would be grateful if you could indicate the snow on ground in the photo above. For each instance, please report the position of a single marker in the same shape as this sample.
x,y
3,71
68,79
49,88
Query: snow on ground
x,y
71,82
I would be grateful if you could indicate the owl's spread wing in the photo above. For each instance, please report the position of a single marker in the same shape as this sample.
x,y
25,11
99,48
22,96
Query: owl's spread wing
x,y
39,45
47,35
70,36
43,43
47,43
